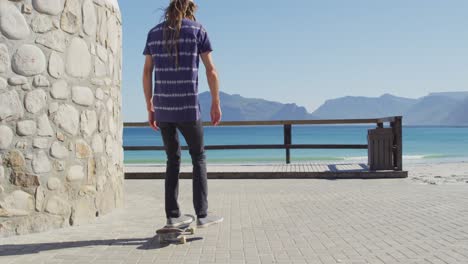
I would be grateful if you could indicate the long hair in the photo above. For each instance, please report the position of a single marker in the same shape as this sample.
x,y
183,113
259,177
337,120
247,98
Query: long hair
x,y
173,15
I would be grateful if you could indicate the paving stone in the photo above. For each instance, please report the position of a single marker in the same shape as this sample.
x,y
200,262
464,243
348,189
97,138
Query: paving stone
x,y
350,221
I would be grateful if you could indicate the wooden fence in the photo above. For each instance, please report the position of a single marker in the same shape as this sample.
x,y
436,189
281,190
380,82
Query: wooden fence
x,y
394,127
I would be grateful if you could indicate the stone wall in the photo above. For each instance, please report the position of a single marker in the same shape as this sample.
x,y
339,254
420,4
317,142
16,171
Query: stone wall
x,y
61,158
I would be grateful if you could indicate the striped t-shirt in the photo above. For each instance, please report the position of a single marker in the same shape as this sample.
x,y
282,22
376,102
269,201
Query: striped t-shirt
x,y
175,95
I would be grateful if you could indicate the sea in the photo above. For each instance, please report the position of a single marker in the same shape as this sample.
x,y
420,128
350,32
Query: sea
x,y
420,144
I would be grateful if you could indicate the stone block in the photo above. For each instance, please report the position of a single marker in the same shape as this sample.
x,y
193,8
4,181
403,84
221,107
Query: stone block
x,y
28,60
70,21
12,23
24,179
67,118
26,128
6,137
58,206
35,100
4,58
19,200
60,90
75,174
41,162
10,106
49,7
78,60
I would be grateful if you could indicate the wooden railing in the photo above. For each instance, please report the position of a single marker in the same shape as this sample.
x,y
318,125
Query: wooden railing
x,y
395,123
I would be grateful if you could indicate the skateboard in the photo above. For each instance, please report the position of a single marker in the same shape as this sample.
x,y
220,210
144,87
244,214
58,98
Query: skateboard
x,y
175,234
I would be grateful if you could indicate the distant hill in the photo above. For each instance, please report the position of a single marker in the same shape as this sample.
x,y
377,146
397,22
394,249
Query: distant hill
x,y
459,114
448,108
364,107
238,108
459,96
433,109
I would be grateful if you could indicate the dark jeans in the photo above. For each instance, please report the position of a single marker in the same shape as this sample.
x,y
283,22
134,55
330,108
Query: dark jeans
x,y
193,134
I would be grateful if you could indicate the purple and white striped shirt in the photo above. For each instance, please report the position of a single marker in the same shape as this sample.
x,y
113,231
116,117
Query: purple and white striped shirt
x,y
175,96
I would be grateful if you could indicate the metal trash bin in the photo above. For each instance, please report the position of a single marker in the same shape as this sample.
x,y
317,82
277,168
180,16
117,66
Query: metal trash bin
x,y
380,149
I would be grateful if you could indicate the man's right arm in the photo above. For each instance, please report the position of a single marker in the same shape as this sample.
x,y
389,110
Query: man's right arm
x,y
213,82
148,90
147,82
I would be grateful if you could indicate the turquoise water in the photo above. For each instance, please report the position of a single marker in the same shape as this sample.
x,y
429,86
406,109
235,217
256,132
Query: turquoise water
x,y
421,144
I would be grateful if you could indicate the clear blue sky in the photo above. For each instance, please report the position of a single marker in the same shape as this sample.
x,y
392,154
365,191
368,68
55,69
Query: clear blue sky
x,y
308,51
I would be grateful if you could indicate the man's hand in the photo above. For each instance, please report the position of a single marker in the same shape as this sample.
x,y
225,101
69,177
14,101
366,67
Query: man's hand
x,y
215,114
213,82
152,122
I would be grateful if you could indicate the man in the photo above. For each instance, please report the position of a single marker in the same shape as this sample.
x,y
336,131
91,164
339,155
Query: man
x,y
173,50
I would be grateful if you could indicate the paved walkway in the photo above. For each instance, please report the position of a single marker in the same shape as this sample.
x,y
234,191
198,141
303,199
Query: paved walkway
x,y
272,221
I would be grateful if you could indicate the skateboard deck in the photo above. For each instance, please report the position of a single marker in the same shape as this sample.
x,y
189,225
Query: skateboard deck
x,y
176,234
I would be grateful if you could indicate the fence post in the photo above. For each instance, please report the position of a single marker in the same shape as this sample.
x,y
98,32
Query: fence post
x,y
288,141
397,143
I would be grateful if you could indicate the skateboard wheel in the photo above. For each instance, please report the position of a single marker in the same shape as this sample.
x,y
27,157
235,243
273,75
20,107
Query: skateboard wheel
x,y
183,240
191,230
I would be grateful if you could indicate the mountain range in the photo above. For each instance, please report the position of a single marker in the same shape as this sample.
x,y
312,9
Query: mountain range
x,y
441,109
238,108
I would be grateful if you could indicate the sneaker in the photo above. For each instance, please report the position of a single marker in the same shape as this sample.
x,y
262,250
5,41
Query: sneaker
x,y
178,221
209,220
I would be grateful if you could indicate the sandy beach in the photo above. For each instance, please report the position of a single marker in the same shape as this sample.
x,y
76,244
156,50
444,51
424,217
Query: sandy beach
x,y
438,173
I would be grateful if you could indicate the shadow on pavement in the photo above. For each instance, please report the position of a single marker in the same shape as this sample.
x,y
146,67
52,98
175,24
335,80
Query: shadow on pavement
x,y
149,243
155,244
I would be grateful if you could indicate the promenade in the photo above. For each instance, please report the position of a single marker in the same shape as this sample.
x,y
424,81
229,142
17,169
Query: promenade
x,y
271,221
